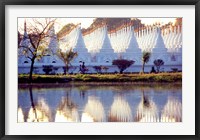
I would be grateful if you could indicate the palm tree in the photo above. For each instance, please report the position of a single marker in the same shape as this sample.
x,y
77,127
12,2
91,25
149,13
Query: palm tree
x,y
67,57
145,59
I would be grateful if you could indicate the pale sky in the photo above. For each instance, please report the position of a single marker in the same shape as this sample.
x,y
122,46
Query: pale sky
x,y
86,22
150,21
60,22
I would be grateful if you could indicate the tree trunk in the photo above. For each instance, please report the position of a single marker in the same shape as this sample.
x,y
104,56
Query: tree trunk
x,y
67,68
143,67
31,70
121,71
64,69
158,69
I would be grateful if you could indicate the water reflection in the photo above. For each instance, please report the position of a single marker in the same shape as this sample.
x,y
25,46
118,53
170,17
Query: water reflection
x,y
147,110
100,104
67,111
20,117
40,112
120,110
94,111
83,90
172,111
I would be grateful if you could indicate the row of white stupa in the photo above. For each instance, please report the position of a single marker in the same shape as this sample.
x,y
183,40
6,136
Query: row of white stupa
x,y
101,48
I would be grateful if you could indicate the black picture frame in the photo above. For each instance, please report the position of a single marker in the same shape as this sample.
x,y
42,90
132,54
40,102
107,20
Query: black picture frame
x,y
98,2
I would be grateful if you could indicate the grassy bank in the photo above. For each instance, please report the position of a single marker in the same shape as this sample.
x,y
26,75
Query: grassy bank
x,y
161,77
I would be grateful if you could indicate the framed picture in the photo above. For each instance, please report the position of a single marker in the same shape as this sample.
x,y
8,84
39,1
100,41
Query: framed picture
x,y
85,70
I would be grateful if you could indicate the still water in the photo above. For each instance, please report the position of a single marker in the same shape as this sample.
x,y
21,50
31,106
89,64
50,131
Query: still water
x,y
100,102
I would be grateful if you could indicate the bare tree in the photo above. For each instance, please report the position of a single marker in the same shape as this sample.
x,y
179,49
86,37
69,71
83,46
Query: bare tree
x,y
36,39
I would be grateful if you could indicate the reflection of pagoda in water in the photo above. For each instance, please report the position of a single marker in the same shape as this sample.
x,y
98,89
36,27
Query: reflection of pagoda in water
x,y
100,46
20,115
94,111
67,111
120,110
146,111
172,111
40,112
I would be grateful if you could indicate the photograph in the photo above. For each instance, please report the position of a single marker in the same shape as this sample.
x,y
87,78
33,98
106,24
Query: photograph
x,y
99,69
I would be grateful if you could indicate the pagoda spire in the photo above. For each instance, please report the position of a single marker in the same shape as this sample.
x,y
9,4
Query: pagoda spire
x,y
106,45
159,45
133,46
24,25
25,31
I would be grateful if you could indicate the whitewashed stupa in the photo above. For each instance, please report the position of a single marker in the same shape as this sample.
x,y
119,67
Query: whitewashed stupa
x,y
51,57
80,48
159,51
133,52
106,54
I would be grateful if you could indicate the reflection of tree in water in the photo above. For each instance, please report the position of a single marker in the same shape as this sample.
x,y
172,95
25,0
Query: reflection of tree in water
x,y
120,110
83,90
94,111
126,87
67,111
147,110
40,112
172,111
20,115
123,89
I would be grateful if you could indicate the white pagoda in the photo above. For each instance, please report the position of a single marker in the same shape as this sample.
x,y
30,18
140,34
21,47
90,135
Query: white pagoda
x,y
159,51
80,48
133,52
106,53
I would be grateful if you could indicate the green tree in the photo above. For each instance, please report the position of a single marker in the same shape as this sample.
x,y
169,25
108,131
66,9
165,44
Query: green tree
x,y
105,68
47,69
99,69
145,59
35,40
67,56
158,63
122,64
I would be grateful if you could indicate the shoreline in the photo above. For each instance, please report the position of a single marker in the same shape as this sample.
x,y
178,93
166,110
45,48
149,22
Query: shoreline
x,y
79,84
103,78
